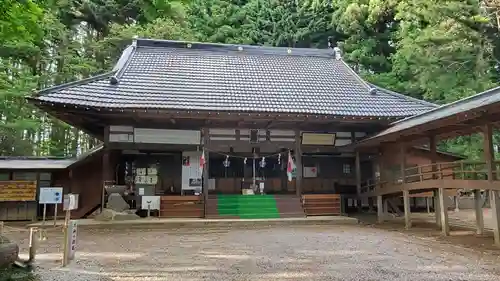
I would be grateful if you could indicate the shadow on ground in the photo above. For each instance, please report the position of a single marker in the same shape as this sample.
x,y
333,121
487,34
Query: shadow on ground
x,y
459,235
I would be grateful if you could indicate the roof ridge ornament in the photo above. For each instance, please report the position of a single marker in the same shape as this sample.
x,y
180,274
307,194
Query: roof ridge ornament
x,y
336,50
113,80
338,53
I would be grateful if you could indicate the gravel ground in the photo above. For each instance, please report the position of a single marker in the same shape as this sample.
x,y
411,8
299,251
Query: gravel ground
x,y
275,253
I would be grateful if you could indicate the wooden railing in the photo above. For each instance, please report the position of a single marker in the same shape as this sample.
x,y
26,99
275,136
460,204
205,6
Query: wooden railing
x,y
458,170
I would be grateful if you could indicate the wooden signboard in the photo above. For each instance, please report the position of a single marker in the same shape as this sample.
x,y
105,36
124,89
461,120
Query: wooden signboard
x,y
17,191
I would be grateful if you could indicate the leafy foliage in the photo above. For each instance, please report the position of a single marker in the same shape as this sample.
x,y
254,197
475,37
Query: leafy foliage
x,y
439,51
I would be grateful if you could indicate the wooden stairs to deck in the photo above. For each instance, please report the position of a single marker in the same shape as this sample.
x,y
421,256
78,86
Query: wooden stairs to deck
x,y
254,206
392,205
322,204
181,207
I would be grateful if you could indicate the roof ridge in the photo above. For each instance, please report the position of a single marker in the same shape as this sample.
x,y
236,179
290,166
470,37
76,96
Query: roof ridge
x,y
73,83
161,43
124,59
356,75
457,102
116,71
396,94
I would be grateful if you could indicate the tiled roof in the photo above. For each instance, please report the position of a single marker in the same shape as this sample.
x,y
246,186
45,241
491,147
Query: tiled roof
x,y
431,119
217,77
37,163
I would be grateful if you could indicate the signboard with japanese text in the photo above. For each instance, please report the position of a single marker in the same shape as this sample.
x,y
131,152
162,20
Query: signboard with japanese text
x,y
51,195
17,191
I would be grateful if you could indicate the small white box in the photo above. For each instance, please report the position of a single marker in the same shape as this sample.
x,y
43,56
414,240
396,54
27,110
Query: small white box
x,y
70,202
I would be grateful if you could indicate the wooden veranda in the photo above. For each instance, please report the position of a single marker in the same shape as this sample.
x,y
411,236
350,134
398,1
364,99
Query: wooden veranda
x,y
476,114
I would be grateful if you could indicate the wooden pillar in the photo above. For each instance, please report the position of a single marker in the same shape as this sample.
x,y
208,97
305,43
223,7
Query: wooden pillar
x,y
406,201
386,206
358,180
433,152
205,175
380,209
105,175
370,204
478,207
489,157
437,208
443,209
406,193
298,163
402,161
495,213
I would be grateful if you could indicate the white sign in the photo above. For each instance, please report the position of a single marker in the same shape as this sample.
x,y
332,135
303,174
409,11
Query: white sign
x,y
72,235
141,191
310,172
70,202
152,201
51,195
146,179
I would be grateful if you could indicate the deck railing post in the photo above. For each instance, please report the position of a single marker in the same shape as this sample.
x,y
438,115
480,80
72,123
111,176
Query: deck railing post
x,y
489,156
462,170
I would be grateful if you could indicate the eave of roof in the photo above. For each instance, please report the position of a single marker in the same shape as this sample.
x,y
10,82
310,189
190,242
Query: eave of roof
x,y
44,163
104,95
480,100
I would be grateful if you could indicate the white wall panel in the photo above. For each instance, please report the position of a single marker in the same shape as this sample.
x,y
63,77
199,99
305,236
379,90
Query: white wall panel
x,y
164,136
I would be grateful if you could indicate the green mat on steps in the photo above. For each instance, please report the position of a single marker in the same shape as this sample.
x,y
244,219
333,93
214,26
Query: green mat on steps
x,y
247,206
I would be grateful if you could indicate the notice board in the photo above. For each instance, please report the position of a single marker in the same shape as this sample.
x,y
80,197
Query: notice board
x,y
17,191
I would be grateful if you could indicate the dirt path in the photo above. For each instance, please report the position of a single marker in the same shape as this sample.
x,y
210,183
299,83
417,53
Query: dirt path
x,y
274,253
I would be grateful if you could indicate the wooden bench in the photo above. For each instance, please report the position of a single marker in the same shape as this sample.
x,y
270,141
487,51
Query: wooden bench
x,y
322,204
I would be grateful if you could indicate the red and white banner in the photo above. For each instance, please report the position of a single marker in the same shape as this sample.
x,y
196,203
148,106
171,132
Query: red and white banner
x,y
290,166
202,161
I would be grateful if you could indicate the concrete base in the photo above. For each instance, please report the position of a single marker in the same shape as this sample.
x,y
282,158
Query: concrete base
x,y
176,223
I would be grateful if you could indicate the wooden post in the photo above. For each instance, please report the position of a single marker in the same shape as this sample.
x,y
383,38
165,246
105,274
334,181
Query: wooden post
x,y
358,180
406,193
489,157
402,161
478,206
445,227
437,207
380,209
433,151
105,175
406,200
206,175
65,259
495,213
32,244
386,206
298,163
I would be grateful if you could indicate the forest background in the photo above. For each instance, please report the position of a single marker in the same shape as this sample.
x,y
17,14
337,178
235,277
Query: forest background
x,y
437,50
